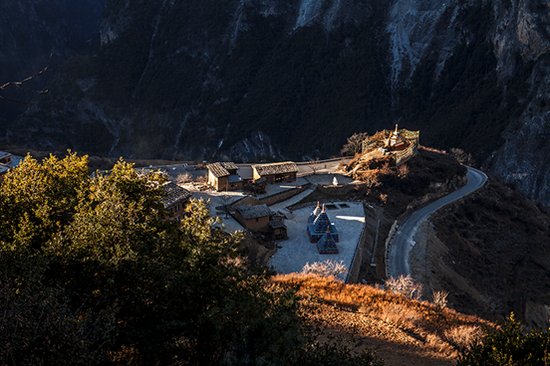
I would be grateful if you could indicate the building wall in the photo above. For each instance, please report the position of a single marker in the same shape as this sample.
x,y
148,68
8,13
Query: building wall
x,y
277,178
222,183
259,224
176,211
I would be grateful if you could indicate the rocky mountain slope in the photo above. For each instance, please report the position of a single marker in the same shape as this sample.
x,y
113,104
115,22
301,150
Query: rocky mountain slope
x,y
37,33
247,78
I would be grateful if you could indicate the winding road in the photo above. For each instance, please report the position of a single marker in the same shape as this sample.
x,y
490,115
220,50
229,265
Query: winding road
x,y
402,242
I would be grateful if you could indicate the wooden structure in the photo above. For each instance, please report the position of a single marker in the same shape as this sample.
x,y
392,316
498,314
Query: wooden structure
x,y
278,230
223,176
276,172
175,201
255,218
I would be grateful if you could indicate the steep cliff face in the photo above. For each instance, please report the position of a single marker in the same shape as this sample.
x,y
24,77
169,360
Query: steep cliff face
x,y
522,36
31,31
193,79
244,78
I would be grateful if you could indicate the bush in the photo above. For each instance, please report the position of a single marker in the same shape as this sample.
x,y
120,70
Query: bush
x,y
405,285
91,273
508,345
328,268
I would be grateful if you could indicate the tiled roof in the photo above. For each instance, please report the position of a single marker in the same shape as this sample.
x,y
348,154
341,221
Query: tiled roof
x,y
229,165
217,170
221,169
174,194
276,168
276,224
252,212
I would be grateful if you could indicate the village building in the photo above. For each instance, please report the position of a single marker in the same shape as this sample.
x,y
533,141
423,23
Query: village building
x,y
318,224
5,161
255,218
276,172
175,201
5,158
223,176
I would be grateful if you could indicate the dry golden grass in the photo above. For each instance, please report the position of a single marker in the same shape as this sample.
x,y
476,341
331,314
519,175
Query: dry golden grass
x,y
424,325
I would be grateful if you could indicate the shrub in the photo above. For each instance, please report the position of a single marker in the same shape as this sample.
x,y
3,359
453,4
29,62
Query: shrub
x,y
405,285
439,298
508,345
328,268
184,178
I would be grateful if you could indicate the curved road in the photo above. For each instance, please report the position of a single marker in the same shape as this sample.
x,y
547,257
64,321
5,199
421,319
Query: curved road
x,y
402,242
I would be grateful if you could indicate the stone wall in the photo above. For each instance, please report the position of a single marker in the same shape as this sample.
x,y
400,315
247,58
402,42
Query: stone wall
x,y
283,196
339,190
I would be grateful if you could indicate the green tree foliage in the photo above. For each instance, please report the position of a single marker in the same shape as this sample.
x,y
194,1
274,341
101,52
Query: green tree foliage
x,y
509,345
91,273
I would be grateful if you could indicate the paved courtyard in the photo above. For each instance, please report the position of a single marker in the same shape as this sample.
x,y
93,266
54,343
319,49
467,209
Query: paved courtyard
x,y
295,252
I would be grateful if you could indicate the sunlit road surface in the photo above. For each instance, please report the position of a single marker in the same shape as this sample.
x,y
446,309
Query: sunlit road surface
x,y
402,242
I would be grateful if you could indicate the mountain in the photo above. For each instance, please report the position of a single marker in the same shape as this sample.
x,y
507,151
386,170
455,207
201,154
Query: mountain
x,y
245,79
40,33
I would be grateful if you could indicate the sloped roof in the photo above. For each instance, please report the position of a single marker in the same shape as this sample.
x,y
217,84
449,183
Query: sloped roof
x,y
276,224
252,212
276,168
174,194
221,169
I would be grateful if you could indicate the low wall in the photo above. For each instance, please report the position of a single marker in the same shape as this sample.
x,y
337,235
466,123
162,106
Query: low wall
x,y
283,196
339,190
355,267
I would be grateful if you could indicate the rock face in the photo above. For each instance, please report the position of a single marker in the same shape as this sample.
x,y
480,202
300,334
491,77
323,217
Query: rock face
x,y
32,30
193,79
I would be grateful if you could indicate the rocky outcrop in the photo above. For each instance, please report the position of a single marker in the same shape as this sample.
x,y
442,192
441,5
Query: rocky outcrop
x,y
36,33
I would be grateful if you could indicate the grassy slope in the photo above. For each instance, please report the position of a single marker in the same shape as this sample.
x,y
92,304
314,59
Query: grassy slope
x,y
406,332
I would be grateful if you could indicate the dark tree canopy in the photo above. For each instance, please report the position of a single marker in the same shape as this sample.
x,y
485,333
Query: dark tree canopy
x,y
91,274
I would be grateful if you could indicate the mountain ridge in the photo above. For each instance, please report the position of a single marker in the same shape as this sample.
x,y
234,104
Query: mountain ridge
x,y
195,80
